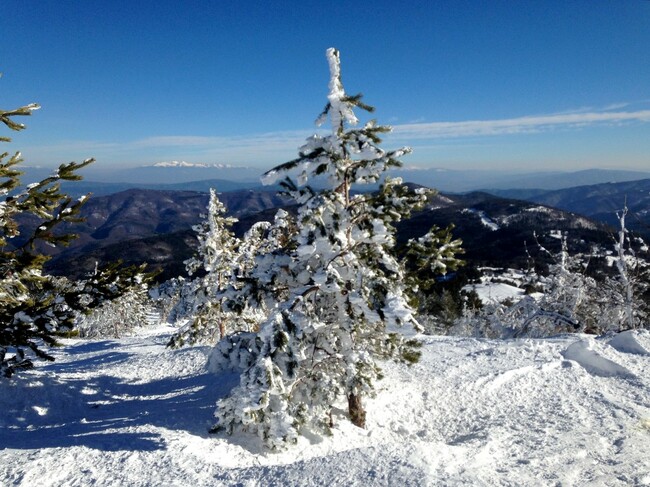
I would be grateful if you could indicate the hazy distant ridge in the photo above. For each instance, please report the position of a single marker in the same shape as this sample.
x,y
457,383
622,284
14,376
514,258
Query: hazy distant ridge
x,y
230,178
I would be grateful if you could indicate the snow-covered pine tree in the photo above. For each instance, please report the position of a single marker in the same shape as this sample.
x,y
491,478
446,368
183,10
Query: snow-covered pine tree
x,y
35,308
30,309
217,252
120,307
340,285
263,256
434,254
165,298
253,291
427,260
176,299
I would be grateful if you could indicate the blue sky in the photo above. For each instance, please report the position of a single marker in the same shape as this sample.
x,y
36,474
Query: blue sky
x,y
481,84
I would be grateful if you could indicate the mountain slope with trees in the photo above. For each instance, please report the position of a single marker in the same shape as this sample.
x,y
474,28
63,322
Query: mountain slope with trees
x,y
600,202
165,238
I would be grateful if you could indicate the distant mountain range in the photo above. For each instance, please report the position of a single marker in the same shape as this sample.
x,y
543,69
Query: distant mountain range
x,y
78,188
199,177
145,226
156,227
153,222
599,202
477,180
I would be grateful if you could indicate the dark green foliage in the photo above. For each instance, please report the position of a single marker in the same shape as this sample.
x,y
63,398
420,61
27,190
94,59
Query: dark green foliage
x,y
410,351
432,256
36,308
434,288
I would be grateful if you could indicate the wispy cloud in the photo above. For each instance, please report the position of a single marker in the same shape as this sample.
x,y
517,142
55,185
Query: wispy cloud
x,y
419,130
520,125
277,139
271,147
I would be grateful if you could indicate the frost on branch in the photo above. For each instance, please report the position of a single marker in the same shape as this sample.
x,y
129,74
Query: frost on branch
x,y
576,295
633,280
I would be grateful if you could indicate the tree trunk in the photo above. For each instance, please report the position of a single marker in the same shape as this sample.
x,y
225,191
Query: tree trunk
x,y
356,411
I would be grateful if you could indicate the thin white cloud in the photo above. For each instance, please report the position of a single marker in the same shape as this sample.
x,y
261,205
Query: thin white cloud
x,y
587,109
520,125
273,146
616,106
277,139
416,131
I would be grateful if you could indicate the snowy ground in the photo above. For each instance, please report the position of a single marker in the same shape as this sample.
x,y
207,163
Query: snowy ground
x,y
569,410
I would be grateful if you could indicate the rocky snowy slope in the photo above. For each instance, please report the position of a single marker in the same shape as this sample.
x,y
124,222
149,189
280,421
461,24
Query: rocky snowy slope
x,y
569,410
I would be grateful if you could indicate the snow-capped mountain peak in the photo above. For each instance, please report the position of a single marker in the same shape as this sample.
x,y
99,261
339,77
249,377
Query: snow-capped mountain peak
x,y
192,164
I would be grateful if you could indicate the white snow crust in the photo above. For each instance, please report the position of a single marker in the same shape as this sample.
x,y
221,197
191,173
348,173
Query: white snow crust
x,y
570,410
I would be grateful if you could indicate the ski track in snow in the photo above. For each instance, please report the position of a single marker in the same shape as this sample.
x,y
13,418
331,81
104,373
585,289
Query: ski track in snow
x,y
568,410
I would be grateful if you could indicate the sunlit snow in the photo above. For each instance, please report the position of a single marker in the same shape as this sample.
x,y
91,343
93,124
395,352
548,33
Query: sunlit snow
x,y
569,410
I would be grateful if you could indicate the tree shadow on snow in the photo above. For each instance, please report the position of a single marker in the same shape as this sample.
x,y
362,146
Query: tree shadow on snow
x,y
90,362
108,413
91,346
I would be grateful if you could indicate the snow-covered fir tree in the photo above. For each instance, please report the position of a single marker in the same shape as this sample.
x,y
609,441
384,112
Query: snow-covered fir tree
x,y
217,252
176,300
216,306
262,255
337,285
121,315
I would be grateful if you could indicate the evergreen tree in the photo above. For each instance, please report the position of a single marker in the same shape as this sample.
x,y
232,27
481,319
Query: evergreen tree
x,y
216,255
166,297
35,308
121,302
263,256
176,300
30,306
430,261
337,286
